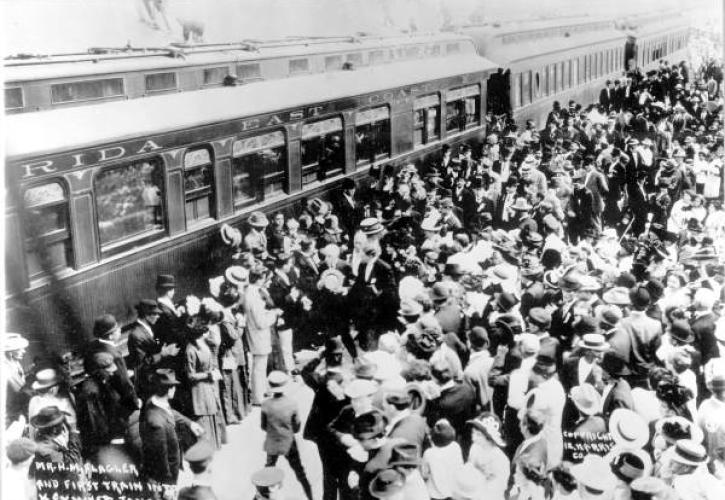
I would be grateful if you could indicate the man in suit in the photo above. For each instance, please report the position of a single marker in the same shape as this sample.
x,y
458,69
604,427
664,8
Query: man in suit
x,y
563,318
255,240
280,420
287,297
703,324
349,211
260,321
402,422
606,96
616,392
456,402
645,334
158,426
146,352
107,333
373,297
169,327
307,262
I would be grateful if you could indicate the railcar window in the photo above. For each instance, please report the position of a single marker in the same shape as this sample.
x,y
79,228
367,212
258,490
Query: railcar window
x,y
526,88
560,76
160,81
372,134
356,58
427,122
246,72
198,182
130,202
552,79
322,150
333,63
215,76
462,108
297,66
87,90
14,98
574,72
537,85
453,48
518,89
566,74
47,235
259,168
376,57
412,52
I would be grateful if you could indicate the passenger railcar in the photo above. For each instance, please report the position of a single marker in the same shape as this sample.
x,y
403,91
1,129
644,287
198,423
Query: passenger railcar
x,y
654,37
39,82
103,197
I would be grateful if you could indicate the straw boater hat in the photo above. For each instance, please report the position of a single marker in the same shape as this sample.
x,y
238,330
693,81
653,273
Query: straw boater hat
x,y
258,220
594,476
628,429
45,379
587,399
230,236
688,452
277,381
594,342
371,226
237,275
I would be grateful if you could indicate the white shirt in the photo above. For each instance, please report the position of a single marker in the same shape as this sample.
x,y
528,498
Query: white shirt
x,y
519,383
585,368
442,464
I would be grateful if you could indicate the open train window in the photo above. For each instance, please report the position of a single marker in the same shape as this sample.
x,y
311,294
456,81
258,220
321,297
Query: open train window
x,y
537,85
333,63
575,72
462,108
48,246
517,91
158,82
130,204
215,76
259,168
453,48
376,57
427,119
297,66
198,184
86,90
322,150
356,59
14,98
249,72
372,134
525,88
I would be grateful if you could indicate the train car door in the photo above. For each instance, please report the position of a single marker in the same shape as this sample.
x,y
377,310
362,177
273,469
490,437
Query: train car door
x,y
630,53
498,92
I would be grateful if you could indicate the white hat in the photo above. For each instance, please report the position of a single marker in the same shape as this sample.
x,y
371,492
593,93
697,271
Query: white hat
x,y
14,342
359,388
628,429
705,298
237,275
529,343
430,224
595,476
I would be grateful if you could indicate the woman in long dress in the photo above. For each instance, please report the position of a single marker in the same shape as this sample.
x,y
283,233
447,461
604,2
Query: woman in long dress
x,y
204,379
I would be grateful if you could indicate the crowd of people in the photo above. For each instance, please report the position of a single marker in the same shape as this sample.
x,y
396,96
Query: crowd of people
x,y
468,326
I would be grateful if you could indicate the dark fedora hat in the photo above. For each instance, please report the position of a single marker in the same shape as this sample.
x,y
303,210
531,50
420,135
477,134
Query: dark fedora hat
x,y
165,281
147,306
165,377
104,325
49,416
544,365
570,282
681,331
505,301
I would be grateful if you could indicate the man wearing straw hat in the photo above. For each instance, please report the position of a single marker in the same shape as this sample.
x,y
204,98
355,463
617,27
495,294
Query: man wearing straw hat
x,y
16,399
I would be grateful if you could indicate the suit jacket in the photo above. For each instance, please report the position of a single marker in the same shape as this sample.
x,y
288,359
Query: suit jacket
x,y
606,97
95,346
620,396
413,428
594,424
162,451
349,214
309,273
144,357
569,375
280,421
169,328
704,329
562,326
456,403
645,335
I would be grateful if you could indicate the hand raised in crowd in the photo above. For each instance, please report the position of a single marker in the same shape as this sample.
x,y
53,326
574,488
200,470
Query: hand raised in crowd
x,y
169,350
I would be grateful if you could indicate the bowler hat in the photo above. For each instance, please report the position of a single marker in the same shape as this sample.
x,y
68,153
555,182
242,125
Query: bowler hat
x,y
369,425
104,325
48,416
165,281
386,483
101,360
146,307
505,301
544,365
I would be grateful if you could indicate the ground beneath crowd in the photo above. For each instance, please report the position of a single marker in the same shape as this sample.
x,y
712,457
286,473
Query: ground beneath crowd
x,y
235,463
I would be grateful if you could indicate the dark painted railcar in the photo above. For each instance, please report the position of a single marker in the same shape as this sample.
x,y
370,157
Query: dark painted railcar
x,y
104,197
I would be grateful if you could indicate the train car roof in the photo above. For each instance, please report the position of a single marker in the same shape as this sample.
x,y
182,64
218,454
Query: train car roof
x,y
67,129
505,49
651,24
110,60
